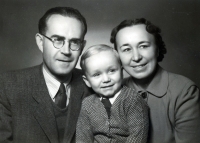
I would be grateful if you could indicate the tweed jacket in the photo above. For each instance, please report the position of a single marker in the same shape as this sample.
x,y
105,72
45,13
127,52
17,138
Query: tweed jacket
x,y
174,104
26,112
128,121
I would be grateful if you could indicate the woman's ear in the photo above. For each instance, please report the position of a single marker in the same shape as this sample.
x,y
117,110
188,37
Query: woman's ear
x,y
39,41
86,81
158,51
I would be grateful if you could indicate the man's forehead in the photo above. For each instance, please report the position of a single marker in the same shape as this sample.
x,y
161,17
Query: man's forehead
x,y
58,24
58,17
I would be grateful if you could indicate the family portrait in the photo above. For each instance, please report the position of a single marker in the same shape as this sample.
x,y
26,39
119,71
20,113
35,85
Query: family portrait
x,y
97,71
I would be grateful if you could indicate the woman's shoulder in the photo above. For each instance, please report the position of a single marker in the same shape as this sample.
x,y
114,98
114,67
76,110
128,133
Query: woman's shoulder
x,y
177,79
181,86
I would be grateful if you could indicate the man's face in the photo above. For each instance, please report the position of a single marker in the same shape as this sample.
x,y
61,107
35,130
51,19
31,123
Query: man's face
x,y
61,62
137,51
103,73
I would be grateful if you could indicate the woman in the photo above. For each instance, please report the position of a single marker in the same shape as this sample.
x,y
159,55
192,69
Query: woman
x,y
173,100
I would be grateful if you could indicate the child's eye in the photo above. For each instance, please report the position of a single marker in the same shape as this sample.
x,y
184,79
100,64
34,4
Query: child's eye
x,y
112,70
96,74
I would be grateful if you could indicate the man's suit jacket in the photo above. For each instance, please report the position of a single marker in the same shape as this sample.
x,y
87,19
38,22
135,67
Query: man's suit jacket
x,y
26,112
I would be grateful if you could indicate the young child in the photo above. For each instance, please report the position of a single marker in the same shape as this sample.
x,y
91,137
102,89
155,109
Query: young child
x,y
126,121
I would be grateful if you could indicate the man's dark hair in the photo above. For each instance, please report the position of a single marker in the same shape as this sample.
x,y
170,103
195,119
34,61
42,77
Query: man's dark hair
x,y
150,28
64,11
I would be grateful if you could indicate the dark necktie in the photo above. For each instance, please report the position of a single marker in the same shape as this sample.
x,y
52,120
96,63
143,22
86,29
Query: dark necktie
x,y
61,97
107,105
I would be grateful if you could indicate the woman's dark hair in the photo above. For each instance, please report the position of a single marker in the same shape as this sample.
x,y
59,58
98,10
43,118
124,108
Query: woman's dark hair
x,y
150,28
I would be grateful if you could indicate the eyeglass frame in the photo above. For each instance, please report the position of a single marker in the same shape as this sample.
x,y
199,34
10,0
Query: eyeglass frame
x,y
81,42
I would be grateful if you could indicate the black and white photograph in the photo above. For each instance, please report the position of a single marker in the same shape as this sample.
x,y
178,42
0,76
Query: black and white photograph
x,y
106,71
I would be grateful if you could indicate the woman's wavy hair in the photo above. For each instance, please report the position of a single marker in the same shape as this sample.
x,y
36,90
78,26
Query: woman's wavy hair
x,y
150,28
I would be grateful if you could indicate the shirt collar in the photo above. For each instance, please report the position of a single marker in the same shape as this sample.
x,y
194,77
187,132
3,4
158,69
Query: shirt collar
x,y
112,99
158,86
52,83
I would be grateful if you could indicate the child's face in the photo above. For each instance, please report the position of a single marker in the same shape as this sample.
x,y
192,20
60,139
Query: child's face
x,y
103,73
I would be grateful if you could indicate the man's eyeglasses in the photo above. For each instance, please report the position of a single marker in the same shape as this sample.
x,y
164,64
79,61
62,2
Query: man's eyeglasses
x,y
59,42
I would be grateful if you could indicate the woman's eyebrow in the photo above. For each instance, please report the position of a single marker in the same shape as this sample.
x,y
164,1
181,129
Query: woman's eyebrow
x,y
125,45
144,42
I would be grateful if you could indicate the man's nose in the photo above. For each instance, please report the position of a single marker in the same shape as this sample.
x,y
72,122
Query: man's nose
x,y
66,48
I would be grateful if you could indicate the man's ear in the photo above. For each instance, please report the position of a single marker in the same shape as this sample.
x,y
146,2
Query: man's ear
x,y
39,41
86,81
83,45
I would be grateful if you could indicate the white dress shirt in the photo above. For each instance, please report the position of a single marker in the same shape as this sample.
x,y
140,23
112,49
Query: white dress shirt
x,y
112,99
53,85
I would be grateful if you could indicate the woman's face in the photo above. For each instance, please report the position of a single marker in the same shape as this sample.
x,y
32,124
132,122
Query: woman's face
x,y
137,51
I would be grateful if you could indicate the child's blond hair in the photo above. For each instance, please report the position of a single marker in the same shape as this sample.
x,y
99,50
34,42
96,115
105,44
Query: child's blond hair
x,y
95,50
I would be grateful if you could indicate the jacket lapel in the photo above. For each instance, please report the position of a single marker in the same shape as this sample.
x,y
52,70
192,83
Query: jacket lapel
x,y
76,95
42,107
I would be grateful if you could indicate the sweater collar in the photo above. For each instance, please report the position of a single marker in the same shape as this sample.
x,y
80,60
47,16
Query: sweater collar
x,y
158,86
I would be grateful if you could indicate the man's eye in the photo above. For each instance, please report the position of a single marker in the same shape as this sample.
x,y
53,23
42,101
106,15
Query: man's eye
x,y
58,42
57,39
75,42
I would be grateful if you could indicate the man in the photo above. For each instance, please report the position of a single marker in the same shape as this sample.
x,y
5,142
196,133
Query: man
x,y
41,104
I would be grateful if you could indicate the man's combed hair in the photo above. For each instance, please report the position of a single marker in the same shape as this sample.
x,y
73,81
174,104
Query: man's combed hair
x,y
64,11
93,50
150,28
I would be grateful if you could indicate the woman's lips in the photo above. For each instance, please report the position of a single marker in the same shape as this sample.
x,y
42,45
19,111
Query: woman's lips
x,y
139,66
